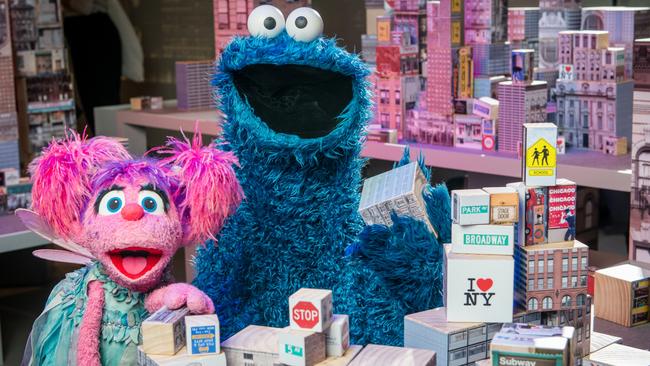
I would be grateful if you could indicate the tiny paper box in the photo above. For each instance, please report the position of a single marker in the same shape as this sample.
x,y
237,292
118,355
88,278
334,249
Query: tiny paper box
x,y
398,190
254,345
182,358
375,355
621,294
202,334
344,360
504,205
483,239
562,211
310,309
163,333
478,287
300,347
539,344
455,343
540,155
338,335
470,207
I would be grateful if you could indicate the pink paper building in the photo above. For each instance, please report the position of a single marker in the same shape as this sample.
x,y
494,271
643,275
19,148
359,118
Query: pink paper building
x,y
519,103
523,28
231,16
624,25
555,16
594,99
639,247
485,21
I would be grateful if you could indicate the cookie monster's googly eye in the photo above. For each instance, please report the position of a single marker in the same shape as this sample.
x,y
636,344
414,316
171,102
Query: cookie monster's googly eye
x,y
265,21
304,24
151,202
111,203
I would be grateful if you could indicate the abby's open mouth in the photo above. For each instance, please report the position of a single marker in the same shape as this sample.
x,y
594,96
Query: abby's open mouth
x,y
135,262
295,99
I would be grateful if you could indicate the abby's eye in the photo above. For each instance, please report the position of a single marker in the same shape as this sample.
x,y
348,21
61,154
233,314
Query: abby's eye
x,y
304,24
151,202
265,21
111,203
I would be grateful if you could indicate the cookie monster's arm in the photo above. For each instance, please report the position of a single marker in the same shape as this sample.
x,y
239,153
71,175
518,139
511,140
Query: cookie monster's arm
x,y
405,263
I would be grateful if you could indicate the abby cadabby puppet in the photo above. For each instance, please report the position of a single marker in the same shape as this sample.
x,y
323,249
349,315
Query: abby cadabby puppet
x,y
123,218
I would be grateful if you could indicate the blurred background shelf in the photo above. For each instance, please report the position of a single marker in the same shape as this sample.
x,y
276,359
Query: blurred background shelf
x,y
586,168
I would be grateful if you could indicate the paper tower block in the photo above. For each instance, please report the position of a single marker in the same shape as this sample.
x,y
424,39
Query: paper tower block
x,y
254,345
562,211
540,154
374,355
182,358
338,335
470,207
455,343
483,239
504,205
301,348
202,334
163,333
532,227
398,190
478,288
310,309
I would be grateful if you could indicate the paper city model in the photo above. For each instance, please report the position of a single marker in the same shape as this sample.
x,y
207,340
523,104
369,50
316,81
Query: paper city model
x,y
41,60
594,96
639,247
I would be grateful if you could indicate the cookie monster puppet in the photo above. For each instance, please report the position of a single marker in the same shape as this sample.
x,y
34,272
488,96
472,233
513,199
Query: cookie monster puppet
x,y
297,106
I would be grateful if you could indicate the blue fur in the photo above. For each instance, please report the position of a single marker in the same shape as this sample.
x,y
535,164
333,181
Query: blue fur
x,y
300,214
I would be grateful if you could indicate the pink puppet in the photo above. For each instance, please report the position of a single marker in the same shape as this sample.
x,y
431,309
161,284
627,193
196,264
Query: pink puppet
x,y
124,219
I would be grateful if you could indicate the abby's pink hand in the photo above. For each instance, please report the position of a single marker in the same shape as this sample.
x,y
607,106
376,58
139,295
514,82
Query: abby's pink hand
x,y
177,295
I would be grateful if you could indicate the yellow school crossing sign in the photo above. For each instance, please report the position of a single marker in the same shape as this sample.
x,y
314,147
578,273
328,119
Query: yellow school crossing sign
x,y
541,159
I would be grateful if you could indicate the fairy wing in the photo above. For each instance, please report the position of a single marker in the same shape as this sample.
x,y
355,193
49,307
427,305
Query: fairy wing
x,y
35,223
64,256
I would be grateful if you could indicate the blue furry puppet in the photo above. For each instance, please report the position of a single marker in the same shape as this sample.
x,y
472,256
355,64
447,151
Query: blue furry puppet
x,y
296,107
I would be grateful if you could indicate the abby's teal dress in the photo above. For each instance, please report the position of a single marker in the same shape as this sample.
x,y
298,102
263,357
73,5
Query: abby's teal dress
x,y
55,332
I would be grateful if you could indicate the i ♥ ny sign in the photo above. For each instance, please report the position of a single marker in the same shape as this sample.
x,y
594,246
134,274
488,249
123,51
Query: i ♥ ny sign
x,y
479,288
480,297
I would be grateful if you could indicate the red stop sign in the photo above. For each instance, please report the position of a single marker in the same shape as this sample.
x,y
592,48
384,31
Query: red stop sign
x,y
305,315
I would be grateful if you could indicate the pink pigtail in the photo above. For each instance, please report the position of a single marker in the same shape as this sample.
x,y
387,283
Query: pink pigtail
x,y
61,178
208,186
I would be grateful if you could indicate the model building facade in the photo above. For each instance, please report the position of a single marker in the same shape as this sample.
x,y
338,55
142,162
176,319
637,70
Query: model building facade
x,y
552,276
624,25
639,248
230,17
594,98
40,57
8,118
519,103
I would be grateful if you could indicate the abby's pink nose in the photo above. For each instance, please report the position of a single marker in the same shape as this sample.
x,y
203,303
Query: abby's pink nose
x,y
132,212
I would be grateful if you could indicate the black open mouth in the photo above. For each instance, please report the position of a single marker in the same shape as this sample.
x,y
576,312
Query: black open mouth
x,y
295,99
